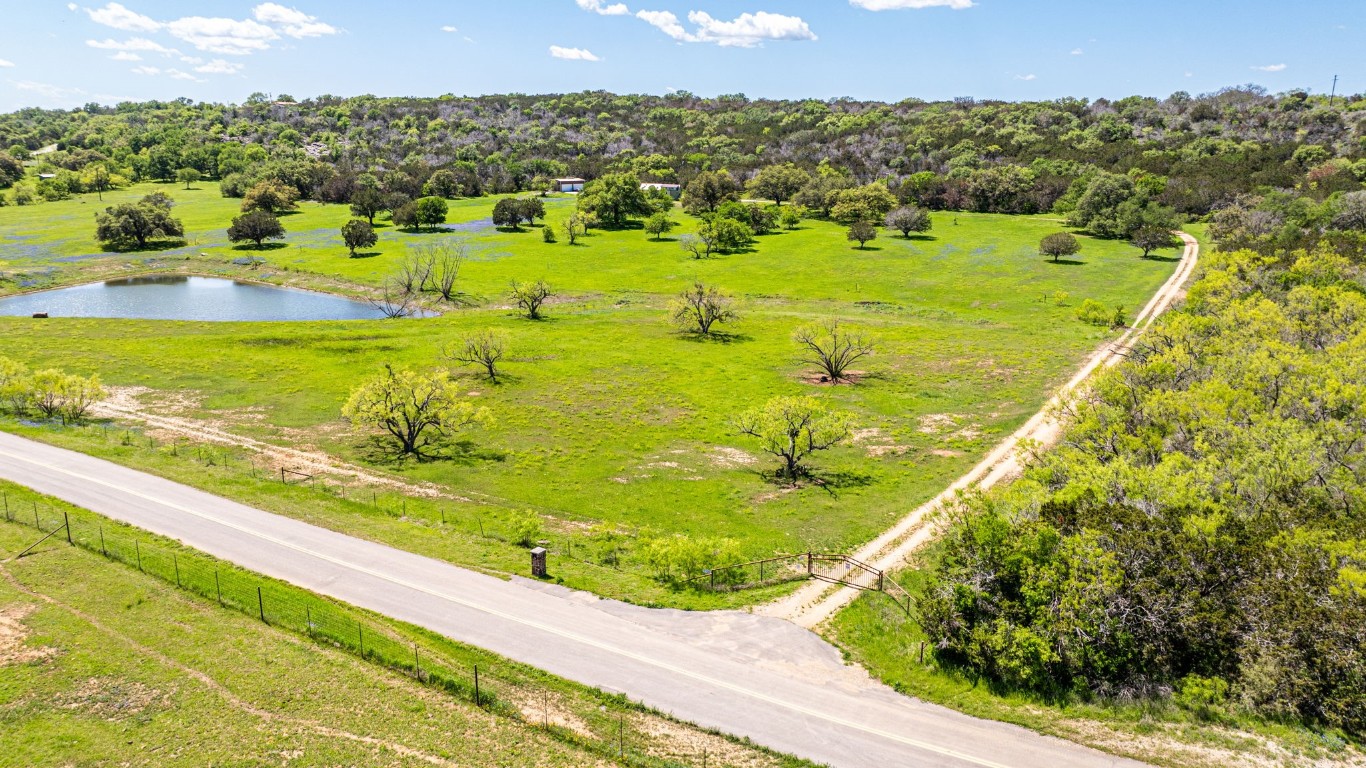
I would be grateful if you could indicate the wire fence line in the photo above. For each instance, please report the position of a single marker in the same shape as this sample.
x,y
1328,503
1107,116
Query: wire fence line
x,y
293,609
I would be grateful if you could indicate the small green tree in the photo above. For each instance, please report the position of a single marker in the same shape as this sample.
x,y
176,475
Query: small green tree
x,y
908,219
270,196
507,213
127,225
367,202
530,296
1149,239
430,212
1059,244
701,307
862,232
484,348
792,428
188,176
659,225
15,386
779,182
357,233
791,217
526,528
415,409
443,183
575,226
257,226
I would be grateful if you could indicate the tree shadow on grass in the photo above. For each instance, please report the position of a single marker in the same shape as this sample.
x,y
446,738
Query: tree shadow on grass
x,y
151,247
715,337
1065,262
383,450
868,248
365,254
261,247
923,238
1163,259
834,482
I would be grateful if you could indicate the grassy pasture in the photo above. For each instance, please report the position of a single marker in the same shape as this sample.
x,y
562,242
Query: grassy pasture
x,y
607,413
101,664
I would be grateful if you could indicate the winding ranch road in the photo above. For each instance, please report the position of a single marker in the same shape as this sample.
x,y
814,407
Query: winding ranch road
x,y
748,675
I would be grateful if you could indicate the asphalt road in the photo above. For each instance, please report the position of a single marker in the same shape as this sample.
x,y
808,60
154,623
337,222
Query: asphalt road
x,y
748,675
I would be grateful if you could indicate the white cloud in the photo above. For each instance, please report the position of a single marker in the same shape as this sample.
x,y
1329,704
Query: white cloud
x,y
219,67
72,7
897,5
750,29
178,75
665,22
449,28
292,21
5,63
225,36
116,16
596,6
1271,68
126,56
1030,76
133,44
1077,51
572,54
145,70
744,31
47,90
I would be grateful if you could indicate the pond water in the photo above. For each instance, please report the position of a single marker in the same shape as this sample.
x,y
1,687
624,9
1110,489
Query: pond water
x,y
181,297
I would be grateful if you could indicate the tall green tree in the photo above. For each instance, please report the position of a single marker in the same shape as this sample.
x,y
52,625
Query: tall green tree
x,y
614,198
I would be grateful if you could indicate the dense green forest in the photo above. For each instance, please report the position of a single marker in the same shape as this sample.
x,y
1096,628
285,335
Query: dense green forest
x,y
1190,154
1200,529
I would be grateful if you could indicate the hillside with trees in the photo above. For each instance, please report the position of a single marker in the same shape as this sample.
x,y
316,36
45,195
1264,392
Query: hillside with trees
x,y
1184,155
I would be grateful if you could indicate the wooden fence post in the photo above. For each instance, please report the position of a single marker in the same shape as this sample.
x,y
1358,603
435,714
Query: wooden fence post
x,y
103,551
66,523
218,587
476,685
175,560
137,548
261,604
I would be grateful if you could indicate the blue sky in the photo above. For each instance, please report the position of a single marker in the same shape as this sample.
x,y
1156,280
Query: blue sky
x,y
60,54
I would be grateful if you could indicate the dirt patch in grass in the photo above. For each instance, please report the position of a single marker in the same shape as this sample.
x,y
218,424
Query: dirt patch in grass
x,y
126,403
936,423
669,740
12,636
878,451
819,379
946,454
723,456
111,698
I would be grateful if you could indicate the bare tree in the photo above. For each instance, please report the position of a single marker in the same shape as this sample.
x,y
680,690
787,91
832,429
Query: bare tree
x,y
831,347
530,296
483,348
395,298
697,309
436,266
700,247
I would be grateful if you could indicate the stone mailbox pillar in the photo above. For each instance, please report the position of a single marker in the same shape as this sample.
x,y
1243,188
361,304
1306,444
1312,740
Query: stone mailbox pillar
x,y
538,568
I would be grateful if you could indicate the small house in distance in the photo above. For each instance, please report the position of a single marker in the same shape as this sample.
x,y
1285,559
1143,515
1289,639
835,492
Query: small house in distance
x,y
674,190
569,185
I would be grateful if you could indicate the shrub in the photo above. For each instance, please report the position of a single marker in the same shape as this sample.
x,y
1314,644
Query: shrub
x,y
1092,312
526,528
548,234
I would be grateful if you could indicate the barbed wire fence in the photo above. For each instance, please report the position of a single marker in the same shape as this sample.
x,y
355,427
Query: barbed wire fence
x,y
498,689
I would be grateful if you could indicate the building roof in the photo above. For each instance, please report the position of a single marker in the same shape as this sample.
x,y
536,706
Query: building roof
x,y
565,181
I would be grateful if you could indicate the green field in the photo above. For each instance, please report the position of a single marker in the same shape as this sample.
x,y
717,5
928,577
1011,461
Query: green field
x,y
608,414
104,665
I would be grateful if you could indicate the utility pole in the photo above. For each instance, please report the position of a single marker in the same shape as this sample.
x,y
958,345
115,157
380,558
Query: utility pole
x,y
1334,93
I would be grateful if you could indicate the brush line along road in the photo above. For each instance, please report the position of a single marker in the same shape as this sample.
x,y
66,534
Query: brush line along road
x,y
748,675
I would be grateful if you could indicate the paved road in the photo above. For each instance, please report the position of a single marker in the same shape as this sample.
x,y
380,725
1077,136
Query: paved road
x,y
747,675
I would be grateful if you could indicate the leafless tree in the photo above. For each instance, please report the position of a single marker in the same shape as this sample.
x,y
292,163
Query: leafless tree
x,y
437,266
831,347
700,307
395,299
484,348
530,297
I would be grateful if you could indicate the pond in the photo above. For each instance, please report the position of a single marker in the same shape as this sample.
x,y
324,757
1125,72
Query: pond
x,y
182,297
